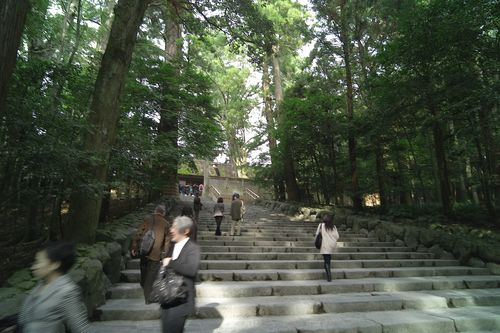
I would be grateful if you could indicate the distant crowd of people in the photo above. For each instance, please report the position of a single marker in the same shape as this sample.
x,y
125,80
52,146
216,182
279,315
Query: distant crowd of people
x,y
191,189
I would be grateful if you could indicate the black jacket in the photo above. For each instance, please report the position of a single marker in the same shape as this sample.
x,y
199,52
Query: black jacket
x,y
187,265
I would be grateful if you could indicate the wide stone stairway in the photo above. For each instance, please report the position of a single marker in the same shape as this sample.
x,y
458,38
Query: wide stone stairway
x,y
271,279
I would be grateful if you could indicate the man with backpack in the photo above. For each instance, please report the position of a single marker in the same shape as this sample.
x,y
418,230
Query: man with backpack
x,y
151,243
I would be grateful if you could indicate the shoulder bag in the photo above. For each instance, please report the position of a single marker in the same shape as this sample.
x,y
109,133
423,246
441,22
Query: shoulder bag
x,y
319,238
148,240
169,288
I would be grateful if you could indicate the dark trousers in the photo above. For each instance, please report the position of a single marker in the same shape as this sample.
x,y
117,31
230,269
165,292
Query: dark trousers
x,y
172,322
218,220
327,258
149,272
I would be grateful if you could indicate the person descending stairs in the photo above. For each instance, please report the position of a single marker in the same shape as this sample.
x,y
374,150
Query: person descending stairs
x,y
272,279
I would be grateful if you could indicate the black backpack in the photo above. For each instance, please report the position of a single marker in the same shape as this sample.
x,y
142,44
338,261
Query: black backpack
x,y
148,240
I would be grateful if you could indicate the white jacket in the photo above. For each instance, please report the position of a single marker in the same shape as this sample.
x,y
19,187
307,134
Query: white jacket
x,y
330,237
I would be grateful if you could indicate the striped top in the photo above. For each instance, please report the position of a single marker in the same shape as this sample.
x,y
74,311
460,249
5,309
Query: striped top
x,y
55,308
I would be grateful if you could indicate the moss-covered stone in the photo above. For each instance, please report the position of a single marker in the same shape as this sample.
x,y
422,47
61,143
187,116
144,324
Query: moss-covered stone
x,y
494,268
411,237
463,250
113,267
475,262
11,305
489,252
428,236
22,280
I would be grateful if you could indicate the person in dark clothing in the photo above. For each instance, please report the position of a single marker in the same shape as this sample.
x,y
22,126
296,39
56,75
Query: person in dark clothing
x,y
219,215
197,206
188,211
150,263
184,260
237,211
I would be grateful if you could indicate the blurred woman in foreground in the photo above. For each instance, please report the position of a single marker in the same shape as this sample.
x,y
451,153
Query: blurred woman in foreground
x,y
54,305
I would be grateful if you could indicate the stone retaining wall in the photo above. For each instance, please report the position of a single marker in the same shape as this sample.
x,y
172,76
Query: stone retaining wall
x,y
98,267
468,250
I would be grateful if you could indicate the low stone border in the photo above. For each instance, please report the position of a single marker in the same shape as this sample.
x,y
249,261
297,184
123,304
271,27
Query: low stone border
x,y
98,266
469,251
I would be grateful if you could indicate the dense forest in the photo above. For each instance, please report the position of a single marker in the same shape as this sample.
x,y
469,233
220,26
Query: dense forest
x,y
395,106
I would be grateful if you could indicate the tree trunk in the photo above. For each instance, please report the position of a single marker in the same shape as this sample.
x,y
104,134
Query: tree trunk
x,y
71,10
337,194
346,53
488,163
169,117
37,43
400,180
85,200
441,163
12,18
268,113
105,27
379,161
416,166
292,189
324,181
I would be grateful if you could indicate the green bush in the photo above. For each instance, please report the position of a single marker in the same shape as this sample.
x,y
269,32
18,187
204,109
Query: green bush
x,y
470,214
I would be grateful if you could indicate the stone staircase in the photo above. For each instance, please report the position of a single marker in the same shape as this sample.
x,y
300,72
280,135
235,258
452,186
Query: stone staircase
x,y
271,279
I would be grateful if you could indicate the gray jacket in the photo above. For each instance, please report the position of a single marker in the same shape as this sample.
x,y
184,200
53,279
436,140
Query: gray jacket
x,y
219,207
236,209
56,308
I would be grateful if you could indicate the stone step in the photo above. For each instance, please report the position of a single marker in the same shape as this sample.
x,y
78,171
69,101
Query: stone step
x,y
257,249
307,239
313,287
317,274
123,309
277,225
318,264
312,264
313,256
440,320
263,228
287,229
271,279
288,244
256,231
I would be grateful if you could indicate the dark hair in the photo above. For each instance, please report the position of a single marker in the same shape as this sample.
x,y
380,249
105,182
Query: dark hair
x,y
236,195
220,200
62,252
187,211
328,220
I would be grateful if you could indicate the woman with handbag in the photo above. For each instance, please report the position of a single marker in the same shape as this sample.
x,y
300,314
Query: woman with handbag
x,y
329,236
184,261
219,215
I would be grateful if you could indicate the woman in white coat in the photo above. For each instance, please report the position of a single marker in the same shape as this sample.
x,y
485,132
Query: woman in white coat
x,y
330,236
